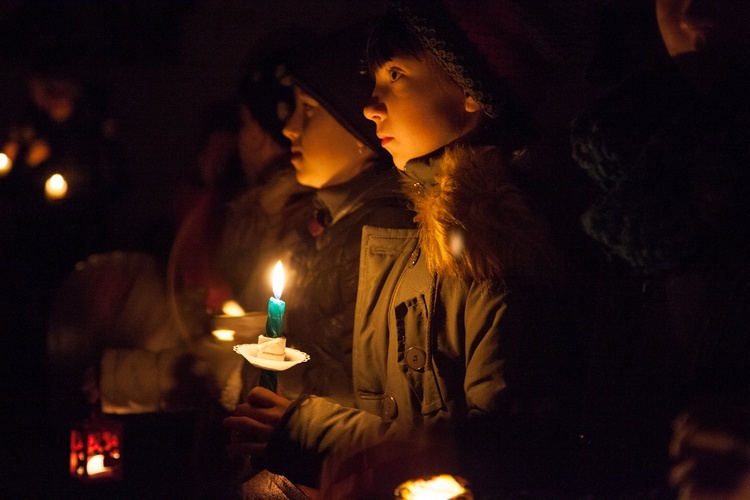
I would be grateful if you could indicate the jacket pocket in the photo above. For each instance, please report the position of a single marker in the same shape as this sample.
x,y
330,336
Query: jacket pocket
x,y
416,352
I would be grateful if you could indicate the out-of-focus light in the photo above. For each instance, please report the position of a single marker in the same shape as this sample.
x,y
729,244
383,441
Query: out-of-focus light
x,y
456,242
95,465
95,449
443,487
38,152
10,148
224,335
5,164
56,187
232,308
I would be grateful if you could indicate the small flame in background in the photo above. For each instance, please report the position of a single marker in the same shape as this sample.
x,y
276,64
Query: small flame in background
x,y
56,187
277,280
95,453
232,308
5,164
442,487
95,465
225,335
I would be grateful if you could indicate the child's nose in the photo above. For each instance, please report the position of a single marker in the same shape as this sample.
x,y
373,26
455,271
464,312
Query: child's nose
x,y
290,131
374,110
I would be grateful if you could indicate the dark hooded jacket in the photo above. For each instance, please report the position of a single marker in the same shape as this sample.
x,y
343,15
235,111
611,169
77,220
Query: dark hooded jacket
x,y
672,163
320,309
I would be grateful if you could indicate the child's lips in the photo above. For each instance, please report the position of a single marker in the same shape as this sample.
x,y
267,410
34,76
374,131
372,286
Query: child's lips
x,y
385,140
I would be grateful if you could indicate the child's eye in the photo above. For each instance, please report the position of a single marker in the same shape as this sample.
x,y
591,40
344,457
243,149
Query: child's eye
x,y
395,75
307,108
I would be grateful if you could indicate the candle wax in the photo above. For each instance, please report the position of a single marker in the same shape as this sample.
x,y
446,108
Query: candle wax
x,y
275,321
274,329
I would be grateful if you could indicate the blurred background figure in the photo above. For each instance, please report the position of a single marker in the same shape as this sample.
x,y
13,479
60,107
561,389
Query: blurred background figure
x,y
704,26
269,219
63,174
142,60
668,148
131,334
710,450
202,199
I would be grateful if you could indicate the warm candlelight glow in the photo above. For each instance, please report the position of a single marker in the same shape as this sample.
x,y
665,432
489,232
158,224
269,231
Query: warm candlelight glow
x,y
5,164
95,465
277,280
95,449
55,187
443,487
225,335
232,308
39,152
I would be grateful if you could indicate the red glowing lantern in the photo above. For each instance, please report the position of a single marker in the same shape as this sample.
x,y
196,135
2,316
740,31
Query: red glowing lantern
x,y
96,449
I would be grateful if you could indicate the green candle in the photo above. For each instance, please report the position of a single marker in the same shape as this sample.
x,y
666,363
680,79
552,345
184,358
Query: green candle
x,y
275,322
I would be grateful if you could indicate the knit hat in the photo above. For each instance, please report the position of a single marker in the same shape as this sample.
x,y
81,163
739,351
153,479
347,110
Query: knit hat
x,y
501,50
268,100
332,70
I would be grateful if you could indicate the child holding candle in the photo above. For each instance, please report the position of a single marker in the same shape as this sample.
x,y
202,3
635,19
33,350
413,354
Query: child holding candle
x,y
334,151
457,323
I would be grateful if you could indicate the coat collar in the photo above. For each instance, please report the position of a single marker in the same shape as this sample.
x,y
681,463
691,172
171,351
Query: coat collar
x,y
343,198
474,222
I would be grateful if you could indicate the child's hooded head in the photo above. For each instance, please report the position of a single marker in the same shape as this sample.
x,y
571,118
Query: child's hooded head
x,y
331,140
495,52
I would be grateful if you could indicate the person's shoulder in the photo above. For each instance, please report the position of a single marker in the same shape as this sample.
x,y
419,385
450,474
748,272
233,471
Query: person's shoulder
x,y
389,215
383,202
274,194
506,235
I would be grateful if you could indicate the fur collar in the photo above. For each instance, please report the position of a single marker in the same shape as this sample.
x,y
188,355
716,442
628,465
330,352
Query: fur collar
x,y
474,222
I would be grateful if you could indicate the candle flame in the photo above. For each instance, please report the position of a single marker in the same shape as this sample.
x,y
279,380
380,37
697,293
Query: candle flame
x,y
56,187
225,335
443,487
5,164
95,465
277,280
232,308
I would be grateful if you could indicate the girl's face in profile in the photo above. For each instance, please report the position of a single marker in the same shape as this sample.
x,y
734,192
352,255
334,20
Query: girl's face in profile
x,y
324,153
418,109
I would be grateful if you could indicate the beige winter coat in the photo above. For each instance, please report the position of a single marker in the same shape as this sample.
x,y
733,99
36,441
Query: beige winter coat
x,y
440,338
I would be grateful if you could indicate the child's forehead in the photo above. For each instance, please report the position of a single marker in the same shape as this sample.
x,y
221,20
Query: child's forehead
x,y
406,60
426,65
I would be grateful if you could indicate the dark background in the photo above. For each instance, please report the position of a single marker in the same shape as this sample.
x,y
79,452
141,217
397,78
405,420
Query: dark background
x,y
160,63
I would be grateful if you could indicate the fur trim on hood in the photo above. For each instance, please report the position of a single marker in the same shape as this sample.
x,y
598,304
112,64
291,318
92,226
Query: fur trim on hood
x,y
475,223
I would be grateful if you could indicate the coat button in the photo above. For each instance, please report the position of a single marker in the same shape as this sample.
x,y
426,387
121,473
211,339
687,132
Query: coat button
x,y
414,257
416,358
390,409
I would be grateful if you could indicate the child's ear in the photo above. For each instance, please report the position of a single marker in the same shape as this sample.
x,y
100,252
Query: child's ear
x,y
471,105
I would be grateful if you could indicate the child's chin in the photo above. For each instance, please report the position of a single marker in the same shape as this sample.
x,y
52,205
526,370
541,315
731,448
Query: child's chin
x,y
399,162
